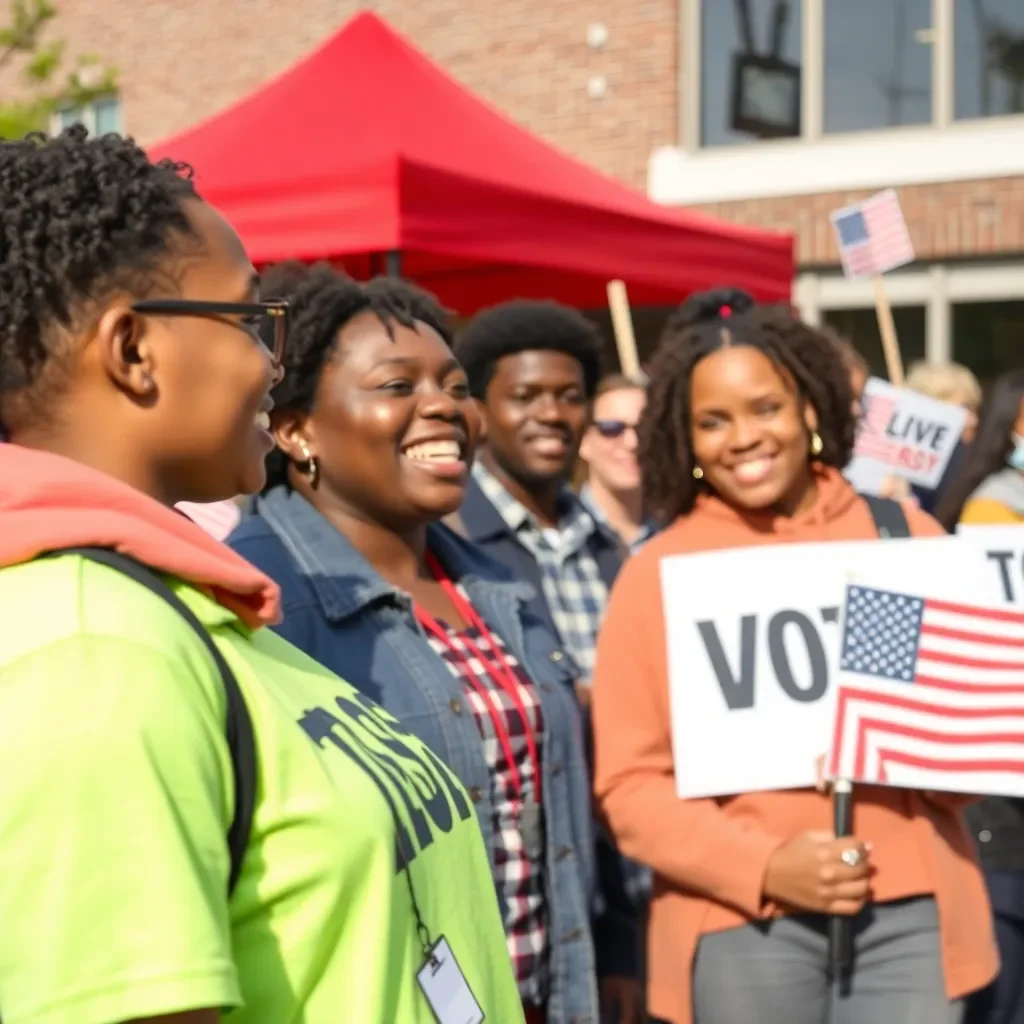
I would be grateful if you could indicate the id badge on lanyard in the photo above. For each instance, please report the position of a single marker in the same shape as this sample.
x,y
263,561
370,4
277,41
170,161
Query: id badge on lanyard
x,y
445,987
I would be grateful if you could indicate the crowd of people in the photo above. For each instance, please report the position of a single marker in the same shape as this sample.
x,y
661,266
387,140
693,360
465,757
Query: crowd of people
x,y
391,743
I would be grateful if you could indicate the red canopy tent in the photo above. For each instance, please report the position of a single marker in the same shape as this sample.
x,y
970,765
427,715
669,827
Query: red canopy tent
x,y
367,148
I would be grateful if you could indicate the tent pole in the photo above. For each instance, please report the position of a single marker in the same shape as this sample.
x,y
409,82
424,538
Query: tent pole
x,y
393,263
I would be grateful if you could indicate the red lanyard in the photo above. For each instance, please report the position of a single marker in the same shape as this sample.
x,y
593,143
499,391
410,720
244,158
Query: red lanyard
x,y
498,669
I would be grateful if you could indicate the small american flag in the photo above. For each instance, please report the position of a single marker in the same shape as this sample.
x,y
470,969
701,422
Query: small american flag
x,y
872,236
930,694
872,442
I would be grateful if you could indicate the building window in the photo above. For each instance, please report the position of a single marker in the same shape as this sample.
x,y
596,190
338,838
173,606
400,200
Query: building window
x,y
807,68
100,117
750,70
988,56
860,326
987,337
877,64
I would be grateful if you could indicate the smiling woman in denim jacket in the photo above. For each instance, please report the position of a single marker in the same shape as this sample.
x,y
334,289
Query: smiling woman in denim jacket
x,y
375,432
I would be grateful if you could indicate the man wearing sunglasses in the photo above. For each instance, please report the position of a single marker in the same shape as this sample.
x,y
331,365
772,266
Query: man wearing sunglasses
x,y
613,493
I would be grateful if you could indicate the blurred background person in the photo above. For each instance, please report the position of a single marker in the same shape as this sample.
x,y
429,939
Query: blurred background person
x,y
988,487
953,383
748,425
856,365
612,491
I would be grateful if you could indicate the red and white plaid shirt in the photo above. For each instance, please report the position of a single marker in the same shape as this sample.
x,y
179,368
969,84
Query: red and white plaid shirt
x,y
520,880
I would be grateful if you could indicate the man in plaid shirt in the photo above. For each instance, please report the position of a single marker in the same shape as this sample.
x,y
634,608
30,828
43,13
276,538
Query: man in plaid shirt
x,y
534,367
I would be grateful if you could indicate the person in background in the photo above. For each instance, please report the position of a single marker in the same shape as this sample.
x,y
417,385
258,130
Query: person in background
x,y
953,383
376,431
612,491
856,366
533,367
132,377
989,491
748,424
989,487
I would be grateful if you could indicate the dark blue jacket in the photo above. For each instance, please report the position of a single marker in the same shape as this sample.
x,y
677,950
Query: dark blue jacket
x,y
616,930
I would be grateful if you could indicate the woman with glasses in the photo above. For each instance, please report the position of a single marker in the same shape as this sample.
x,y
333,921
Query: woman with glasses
x,y
376,433
196,817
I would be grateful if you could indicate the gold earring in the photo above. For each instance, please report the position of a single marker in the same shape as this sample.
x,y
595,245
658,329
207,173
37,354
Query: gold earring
x,y
698,473
817,445
312,466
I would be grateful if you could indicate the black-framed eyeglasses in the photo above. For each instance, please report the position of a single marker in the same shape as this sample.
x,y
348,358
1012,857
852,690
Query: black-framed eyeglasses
x,y
267,320
612,428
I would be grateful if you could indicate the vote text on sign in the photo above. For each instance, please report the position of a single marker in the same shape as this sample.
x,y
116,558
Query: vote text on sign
x,y
753,640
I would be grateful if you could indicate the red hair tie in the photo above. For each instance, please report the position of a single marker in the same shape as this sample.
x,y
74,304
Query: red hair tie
x,y
725,312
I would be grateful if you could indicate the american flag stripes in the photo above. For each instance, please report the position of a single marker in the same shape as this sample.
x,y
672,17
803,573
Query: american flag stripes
x,y
930,694
872,236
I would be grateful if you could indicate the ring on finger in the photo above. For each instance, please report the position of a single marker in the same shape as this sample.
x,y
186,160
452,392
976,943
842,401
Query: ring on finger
x,y
852,857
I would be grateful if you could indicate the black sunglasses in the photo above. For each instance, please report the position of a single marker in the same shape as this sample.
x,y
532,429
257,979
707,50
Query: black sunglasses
x,y
612,428
267,320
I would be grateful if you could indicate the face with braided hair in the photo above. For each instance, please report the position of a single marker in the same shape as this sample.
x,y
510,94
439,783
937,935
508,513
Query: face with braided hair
x,y
744,400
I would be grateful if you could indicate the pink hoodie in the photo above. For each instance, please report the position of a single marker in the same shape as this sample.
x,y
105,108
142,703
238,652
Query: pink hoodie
x,y
49,502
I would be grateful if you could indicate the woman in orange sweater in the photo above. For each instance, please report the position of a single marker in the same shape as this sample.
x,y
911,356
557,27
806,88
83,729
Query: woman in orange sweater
x,y
748,423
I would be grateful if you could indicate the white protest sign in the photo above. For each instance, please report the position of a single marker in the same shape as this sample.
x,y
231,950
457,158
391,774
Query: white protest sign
x,y
1000,549
903,434
752,638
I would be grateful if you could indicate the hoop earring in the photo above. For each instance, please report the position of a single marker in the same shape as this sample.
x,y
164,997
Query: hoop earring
x,y
698,473
817,445
312,466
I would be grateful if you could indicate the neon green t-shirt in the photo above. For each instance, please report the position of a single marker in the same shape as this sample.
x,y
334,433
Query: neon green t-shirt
x,y
116,798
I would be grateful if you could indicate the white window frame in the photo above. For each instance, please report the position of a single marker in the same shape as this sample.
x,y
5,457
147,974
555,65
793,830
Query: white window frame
x,y
87,114
937,287
945,150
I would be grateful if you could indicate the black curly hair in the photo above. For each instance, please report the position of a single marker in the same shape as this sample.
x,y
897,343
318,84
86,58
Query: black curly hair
x,y
703,326
80,218
526,325
321,300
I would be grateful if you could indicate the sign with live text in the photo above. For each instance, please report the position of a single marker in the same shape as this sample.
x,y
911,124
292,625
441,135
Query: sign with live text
x,y
905,434
753,637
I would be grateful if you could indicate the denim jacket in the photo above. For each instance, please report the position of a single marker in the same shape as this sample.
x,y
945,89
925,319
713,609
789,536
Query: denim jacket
x,y
341,612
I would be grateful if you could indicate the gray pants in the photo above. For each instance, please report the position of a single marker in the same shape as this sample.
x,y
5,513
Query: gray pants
x,y
775,972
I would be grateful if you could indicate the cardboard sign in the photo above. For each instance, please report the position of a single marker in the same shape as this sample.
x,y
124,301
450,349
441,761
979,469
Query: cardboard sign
x,y
903,434
753,639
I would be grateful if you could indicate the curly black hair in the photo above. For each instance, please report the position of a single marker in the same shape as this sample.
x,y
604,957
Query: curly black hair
x,y
526,325
321,301
80,218
815,366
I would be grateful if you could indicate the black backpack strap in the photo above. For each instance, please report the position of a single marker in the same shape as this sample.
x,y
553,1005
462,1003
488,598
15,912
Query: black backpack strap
x,y
238,723
890,519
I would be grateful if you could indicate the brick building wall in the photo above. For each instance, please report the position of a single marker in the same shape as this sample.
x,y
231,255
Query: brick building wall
x,y
946,221
180,60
